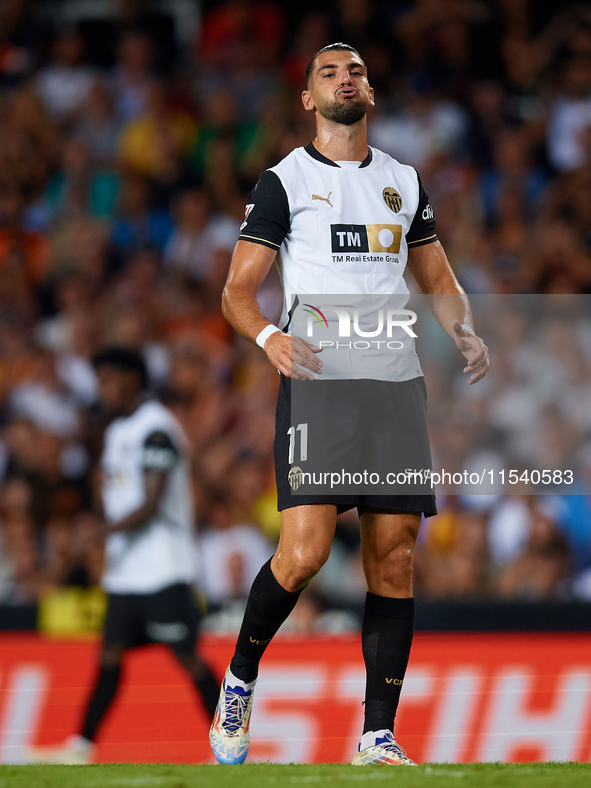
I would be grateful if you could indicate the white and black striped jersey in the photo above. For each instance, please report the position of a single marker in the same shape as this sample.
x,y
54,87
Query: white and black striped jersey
x,y
339,227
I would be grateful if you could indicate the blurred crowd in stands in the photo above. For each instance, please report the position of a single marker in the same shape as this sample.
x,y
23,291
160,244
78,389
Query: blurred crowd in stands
x,y
130,136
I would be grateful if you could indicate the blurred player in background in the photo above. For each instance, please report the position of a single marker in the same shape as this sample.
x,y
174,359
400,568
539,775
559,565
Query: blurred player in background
x,y
149,519
317,203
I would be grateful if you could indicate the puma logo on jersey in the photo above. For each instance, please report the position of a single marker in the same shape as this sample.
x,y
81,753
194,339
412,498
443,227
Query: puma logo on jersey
x,y
397,682
324,199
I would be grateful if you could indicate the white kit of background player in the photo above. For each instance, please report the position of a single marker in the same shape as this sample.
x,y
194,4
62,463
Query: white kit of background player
x,y
160,555
148,530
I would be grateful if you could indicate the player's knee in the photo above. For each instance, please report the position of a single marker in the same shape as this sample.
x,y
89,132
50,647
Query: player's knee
x,y
312,561
397,564
303,566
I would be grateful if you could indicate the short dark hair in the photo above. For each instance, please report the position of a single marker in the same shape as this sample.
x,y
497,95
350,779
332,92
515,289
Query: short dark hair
x,y
124,358
338,47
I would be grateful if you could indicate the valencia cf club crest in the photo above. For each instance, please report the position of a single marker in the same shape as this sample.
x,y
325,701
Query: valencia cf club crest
x,y
392,199
294,477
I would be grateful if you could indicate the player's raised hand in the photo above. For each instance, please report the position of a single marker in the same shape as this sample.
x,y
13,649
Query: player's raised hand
x,y
293,356
474,351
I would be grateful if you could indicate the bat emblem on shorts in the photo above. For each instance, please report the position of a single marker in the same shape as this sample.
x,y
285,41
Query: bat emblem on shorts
x,y
324,199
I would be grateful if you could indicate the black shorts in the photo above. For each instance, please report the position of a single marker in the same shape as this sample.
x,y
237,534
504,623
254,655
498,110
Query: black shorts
x,y
376,428
169,616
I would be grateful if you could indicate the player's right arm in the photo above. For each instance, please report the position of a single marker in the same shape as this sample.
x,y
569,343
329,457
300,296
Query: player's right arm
x,y
266,224
250,265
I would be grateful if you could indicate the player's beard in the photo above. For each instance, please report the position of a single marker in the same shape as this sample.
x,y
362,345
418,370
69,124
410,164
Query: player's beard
x,y
348,112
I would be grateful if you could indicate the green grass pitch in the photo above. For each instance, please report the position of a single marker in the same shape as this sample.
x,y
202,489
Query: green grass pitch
x,y
260,775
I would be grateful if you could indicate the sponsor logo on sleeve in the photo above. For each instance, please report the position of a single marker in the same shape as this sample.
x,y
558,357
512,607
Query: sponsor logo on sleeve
x,y
247,211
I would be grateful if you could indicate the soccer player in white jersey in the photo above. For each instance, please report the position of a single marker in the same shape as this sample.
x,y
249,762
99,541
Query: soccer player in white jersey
x,y
147,502
336,191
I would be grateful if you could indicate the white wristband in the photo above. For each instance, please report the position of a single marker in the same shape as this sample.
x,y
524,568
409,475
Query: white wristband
x,y
265,334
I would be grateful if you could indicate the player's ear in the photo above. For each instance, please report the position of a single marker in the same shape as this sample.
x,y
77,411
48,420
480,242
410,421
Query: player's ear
x,y
372,98
308,101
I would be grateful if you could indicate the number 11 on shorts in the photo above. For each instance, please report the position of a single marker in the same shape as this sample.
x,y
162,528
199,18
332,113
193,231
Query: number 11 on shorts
x,y
303,430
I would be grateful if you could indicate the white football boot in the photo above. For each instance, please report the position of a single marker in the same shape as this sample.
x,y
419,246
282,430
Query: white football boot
x,y
229,734
75,751
380,747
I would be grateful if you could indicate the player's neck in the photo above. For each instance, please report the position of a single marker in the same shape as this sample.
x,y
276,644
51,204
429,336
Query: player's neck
x,y
130,407
342,143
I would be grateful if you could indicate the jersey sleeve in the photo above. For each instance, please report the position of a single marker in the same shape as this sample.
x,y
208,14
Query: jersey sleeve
x,y
422,229
266,219
159,452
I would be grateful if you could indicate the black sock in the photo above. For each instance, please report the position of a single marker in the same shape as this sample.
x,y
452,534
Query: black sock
x,y
388,626
269,604
100,700
209,689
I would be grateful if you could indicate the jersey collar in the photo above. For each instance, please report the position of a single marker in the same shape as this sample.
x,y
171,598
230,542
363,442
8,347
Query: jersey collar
x,y
311,151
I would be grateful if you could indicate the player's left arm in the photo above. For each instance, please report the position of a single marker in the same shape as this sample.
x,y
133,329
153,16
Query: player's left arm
x,y
430,267
159,456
